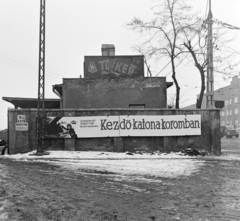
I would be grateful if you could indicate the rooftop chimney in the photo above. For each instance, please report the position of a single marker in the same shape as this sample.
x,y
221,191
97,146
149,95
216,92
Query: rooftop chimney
x,y
108,50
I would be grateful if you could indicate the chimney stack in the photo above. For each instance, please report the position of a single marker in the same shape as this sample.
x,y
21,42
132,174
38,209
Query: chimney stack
x,y
108,50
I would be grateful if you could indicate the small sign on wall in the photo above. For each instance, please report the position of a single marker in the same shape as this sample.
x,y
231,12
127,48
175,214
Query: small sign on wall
x,y
21,124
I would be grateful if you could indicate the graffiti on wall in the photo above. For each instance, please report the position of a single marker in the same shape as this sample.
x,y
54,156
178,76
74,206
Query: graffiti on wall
x,y
117,66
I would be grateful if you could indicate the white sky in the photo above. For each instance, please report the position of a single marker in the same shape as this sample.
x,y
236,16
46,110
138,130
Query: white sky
x,y
75,28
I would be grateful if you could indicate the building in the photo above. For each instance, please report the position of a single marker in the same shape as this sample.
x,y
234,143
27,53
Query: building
x,y
113,82
230,95
113,108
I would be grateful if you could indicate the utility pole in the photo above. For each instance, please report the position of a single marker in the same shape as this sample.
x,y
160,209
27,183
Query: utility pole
x,y
210,77
41,81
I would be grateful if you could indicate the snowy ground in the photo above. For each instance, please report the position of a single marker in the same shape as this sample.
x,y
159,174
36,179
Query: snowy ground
x,y
120,165
126,166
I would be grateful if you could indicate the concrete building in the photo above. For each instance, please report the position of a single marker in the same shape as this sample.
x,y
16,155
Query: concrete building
x,y
230,113
113,92
113,108
113,82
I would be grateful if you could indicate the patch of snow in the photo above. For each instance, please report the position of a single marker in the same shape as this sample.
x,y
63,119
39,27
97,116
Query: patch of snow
x,y
94,155
144,166
3,214
147,169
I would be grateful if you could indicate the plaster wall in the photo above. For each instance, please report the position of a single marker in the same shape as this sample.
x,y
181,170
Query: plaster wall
x,y
210,141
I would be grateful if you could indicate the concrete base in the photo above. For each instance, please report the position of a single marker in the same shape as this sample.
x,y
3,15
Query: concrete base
x,y
69,144
118,144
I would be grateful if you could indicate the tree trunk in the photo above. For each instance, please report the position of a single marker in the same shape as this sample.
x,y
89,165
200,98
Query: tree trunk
x,y
199,100
201,71
176,84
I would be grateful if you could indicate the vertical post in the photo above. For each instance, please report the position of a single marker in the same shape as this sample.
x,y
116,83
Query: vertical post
x,y
210,77
41,80
8,138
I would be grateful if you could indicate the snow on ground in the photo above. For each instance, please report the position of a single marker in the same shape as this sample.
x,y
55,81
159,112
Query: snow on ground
x,y
120,165
124,165
3,215
167,168
95,155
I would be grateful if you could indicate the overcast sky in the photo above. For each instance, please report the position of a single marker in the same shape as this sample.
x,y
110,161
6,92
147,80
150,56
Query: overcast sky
x,y
75,28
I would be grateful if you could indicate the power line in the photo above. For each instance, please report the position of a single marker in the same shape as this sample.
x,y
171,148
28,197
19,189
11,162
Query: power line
x,y
180,61
225,45
14,59
163,68
174,58
226,25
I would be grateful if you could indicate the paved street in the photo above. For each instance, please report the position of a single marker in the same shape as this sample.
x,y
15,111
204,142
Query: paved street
x,y
32,190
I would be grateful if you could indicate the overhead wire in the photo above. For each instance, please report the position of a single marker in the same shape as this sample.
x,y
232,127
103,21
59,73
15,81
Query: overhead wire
x,y
174,58
186,54
182,59
29,65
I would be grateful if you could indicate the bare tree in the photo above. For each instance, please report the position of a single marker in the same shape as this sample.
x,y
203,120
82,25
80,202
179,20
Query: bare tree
x,y
199,56
198,51
140,50
171,101
170,19
202,69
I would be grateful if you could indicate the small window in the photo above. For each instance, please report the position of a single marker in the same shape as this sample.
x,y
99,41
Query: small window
x,y
137,106
235,99
230,101
236,111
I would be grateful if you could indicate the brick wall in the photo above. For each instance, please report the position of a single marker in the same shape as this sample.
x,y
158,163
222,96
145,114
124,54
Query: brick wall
x,y
114,93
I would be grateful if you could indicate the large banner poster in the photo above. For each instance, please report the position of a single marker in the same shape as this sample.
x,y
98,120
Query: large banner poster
x,y
122,126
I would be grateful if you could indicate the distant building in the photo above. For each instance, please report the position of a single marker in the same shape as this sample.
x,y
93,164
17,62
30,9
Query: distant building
x,y
230,113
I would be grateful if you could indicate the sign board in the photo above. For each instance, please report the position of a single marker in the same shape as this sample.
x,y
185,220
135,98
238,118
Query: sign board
x,y
122,126
21,124
219,104
113,66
